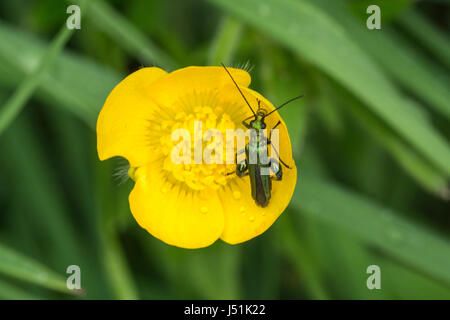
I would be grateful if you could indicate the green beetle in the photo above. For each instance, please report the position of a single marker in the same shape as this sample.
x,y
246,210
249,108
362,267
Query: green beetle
x,y
257,163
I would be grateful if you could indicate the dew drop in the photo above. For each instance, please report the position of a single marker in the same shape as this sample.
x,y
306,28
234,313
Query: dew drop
x,y
164,190
252,218
236,195
242,210
203,210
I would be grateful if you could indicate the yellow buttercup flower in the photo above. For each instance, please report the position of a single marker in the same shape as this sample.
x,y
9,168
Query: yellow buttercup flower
x,y
189,205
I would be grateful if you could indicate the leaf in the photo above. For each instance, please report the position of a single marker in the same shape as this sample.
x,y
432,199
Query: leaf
x,y
127,35
375,225
407,284
74,83
25,90
112,254
11,292
16,265
225,42
302,260
397,56
309,32
389,9
43,196
436,41
413,163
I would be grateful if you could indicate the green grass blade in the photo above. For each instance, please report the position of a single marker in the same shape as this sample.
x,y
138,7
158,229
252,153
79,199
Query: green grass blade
x,y
18,266
116,266
309,32
413,163
214,271
407,284
380,227
44,198
398,57
113,257
74,83
302,259
127,35
24,91
225,42
11,292
340,254
436,41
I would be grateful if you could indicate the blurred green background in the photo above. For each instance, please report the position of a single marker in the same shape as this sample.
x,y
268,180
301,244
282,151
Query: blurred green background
x,y
371,141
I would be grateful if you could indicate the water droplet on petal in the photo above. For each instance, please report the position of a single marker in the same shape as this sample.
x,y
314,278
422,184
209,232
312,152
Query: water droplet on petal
x,y
252,218
242,210
164,190
203,210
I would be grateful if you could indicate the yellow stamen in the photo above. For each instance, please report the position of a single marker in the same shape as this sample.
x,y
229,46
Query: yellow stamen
x,y
198,176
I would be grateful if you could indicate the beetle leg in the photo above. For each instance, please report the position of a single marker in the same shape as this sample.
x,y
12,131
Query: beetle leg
x,y
245,124
237,164
276,169
241,168
278,155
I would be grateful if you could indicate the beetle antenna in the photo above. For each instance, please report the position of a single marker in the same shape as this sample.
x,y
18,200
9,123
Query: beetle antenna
x,y
282,105
238,88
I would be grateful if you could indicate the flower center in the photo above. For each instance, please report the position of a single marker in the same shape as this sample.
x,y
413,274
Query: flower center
x,y
204,154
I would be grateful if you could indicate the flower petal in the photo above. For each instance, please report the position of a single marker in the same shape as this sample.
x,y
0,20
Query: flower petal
x,y
173,214
243,218
123,121
183,82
